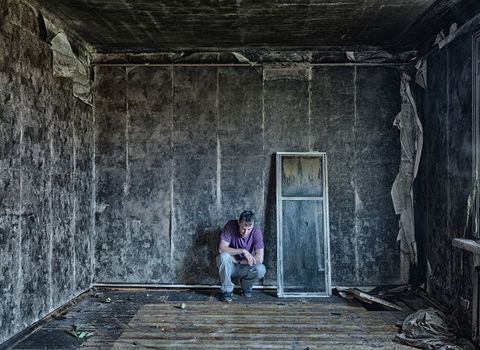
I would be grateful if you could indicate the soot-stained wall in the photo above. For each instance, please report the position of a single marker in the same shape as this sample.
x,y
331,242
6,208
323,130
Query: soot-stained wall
x,y
46,178
182,149
445,177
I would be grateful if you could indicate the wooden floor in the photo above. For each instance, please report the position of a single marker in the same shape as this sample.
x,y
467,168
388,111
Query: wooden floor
x,y
158,320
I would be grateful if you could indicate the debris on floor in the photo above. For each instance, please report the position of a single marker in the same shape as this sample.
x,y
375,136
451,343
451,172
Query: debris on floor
x,y
78,333
355,293
431,329
100,296
369,299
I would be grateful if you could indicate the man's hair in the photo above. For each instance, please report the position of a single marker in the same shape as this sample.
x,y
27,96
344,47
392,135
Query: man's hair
x,y
247,217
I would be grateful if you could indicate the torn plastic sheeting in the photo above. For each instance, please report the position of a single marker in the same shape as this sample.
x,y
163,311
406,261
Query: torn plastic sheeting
x,y
379,56
242,59
443,40
421,76
281,56
471,220
66,64
350,55
429,329
369,56
411,140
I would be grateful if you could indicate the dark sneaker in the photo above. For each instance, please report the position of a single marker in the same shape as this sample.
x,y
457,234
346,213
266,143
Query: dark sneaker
x,y
247,293
227,297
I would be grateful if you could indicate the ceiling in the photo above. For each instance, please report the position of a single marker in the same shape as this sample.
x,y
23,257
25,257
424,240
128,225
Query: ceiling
x,y
162,25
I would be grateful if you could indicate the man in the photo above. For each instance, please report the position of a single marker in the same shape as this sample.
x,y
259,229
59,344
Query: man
x,y
241,255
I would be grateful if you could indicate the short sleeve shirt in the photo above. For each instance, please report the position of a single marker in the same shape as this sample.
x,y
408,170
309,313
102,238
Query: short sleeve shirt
x,y
231,234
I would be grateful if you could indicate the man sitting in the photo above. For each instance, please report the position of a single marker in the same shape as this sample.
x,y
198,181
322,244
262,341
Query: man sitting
x,y
241,255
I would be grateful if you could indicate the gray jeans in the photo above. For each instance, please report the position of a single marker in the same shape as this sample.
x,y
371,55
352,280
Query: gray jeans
x,y
229,270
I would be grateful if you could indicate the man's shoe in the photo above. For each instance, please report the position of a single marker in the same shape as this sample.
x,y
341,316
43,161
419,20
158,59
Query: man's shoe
x,y
227,297
247,293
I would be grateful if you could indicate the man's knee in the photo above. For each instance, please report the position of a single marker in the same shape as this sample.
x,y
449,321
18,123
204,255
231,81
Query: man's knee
x,y
260,270
224,258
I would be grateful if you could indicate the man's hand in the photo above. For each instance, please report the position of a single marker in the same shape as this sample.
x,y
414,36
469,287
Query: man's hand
x,y
250,258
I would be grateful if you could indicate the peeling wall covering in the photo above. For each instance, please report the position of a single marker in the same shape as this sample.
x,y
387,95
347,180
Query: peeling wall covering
x,y
180,150
46,178
445,176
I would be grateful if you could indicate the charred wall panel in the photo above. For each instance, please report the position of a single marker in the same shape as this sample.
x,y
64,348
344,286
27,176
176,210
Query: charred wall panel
x,y
286,128
460,164
195,172
10,251
333,130
37,157
240,142
110,158
436,147
148,198
83,185
447,169
376,164
355,127
61,175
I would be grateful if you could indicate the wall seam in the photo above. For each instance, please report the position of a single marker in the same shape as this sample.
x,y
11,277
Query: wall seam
x,y
265,167
172,207
74,206
50,217
309,71
449,172
448,138
19,282
93,202
355,155
126,188
219,150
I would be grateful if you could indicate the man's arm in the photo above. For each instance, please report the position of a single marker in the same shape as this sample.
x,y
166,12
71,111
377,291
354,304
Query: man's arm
x,y
251,259
258,256
224,247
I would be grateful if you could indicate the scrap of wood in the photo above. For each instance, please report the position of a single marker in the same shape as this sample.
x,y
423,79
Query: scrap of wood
x,y
343,292
365,297
396,290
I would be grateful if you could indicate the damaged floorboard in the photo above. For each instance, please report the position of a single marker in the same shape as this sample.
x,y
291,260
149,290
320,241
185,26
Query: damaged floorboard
x,y
157,319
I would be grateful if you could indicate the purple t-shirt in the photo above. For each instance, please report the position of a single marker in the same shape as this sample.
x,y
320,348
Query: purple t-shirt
x,y
231,234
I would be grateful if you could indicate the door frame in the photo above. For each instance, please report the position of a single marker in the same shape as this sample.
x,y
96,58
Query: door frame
x,y
328,277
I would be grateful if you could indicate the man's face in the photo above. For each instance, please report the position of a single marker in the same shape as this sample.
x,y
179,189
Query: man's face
x,y
245,229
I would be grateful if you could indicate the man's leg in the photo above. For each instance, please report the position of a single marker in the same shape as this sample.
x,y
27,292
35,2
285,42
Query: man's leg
x,y
250,275
225,270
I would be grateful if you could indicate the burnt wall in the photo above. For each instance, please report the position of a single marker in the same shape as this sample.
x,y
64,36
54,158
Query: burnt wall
x,y
46,178
182,149
445,176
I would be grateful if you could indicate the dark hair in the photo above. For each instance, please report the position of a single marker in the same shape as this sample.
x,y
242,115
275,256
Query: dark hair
x,y
247,217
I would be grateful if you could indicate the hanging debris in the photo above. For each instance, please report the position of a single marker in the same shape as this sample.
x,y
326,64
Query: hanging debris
x,y
471,224
411,140
242,59
441,40
421,76
66,64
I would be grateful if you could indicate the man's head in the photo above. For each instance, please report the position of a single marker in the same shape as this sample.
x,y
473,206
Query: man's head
x,y
245,222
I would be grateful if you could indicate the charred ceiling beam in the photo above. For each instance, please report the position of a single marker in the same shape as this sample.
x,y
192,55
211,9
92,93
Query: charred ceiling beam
x,y
257,57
